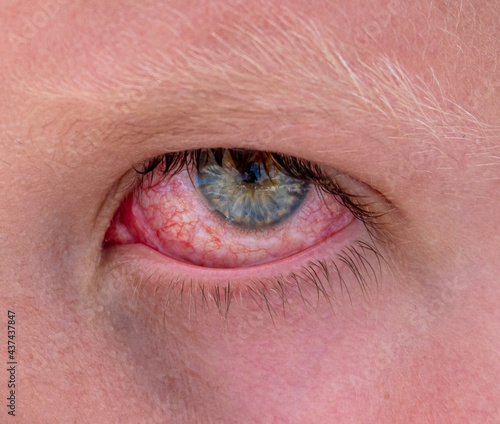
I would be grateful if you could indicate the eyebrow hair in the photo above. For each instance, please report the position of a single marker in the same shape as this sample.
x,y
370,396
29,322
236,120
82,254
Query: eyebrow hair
x,y
242,74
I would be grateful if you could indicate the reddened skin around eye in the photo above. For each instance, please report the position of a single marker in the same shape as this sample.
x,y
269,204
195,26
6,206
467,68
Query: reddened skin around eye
x,y
187,230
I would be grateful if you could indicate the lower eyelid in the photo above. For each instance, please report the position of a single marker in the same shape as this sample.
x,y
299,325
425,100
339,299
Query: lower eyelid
x,y
139,272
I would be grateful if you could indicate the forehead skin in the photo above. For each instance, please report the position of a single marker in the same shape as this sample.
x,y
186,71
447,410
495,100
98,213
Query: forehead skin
x,y
72,92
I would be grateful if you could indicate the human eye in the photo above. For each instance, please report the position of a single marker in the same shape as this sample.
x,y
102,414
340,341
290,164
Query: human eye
x,y
241,221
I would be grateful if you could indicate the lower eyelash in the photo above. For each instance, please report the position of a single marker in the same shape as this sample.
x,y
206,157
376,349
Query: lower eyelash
x,y
321,280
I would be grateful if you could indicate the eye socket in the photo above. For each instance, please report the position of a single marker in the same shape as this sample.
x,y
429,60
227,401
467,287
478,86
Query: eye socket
x,y
222,208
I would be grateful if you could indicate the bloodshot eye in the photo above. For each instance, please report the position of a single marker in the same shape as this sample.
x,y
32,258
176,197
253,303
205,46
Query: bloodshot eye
x,y
231,209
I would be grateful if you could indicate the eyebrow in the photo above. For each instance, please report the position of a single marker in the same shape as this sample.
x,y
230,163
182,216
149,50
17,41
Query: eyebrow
x,y
297,74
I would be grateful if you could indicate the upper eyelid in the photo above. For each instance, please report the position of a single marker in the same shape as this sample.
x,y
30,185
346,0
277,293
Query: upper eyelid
x,y
174,99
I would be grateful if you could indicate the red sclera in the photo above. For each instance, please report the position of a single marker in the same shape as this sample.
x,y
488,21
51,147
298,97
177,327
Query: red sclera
x,y
171,217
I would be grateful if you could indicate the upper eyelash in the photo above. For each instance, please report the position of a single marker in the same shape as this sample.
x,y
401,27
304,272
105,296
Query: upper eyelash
x,y
301,169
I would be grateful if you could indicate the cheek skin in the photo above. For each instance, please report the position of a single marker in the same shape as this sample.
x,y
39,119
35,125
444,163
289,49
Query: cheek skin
x,y
321,366
171,217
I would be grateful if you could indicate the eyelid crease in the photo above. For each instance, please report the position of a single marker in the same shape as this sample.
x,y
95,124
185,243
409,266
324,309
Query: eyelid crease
x,y
201,89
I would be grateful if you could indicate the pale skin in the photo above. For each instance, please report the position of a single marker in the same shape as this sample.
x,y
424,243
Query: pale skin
x,y
96,343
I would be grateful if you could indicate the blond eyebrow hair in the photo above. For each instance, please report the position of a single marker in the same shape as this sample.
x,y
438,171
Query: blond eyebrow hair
x,y
243,73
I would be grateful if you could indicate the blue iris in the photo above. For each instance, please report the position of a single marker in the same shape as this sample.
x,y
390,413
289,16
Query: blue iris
x,y
255,197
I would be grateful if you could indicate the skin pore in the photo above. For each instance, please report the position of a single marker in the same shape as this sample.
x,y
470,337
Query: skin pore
x,y
400,97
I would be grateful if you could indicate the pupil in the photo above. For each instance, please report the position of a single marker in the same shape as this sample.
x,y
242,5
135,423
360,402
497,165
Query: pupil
x,y
252,174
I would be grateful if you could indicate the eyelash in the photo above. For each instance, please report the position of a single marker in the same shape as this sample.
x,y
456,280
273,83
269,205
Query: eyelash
x,y
311,173
271,294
